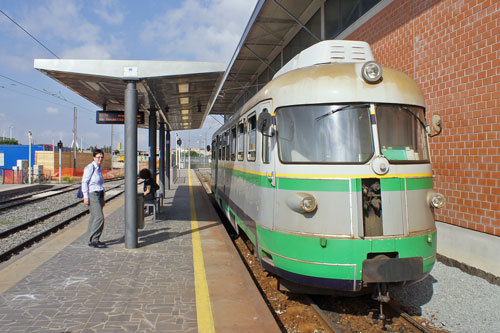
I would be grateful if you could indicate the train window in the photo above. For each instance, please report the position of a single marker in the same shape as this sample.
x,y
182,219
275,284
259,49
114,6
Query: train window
x,y
266,146
214,147
252,137
324,134
226,136
233,143
241,141
219,147
401,132
223,144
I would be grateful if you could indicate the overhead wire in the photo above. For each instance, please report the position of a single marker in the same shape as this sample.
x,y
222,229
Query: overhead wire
x,y
216,119
26,94
45,92
45,47
26,85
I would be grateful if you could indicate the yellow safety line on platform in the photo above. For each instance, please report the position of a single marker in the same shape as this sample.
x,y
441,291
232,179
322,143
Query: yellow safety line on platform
x,y
203,307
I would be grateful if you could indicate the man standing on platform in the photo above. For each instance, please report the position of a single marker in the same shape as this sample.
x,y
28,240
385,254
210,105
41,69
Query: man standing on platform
x,y
93,195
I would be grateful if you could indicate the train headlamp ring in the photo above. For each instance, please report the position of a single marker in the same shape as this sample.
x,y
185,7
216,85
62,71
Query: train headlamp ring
x,y
371,72
435,200
308,204
302,202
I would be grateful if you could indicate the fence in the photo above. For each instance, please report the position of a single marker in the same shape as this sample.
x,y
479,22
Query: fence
x,y
68,175
12,177
196,162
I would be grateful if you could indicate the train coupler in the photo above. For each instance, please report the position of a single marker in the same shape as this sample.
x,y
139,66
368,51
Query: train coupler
x,y
382,296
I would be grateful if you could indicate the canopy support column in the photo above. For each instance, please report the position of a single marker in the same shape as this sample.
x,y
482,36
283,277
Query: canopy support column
x,y
152,142
162,154
168,160
131,165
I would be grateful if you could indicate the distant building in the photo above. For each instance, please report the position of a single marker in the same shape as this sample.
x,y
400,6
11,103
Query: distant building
x,y
9,154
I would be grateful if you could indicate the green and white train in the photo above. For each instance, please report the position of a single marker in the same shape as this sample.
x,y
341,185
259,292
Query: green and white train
x,y
327,171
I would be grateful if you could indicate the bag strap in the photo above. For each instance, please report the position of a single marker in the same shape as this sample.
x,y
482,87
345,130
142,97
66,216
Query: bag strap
x,y
91,174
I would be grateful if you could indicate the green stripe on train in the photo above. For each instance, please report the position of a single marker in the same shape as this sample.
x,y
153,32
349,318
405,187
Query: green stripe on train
x,y
238,220
419,183
340,258
333,185
251,178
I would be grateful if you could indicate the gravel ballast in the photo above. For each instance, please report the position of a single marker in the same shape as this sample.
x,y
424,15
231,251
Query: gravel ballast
x,y
454,301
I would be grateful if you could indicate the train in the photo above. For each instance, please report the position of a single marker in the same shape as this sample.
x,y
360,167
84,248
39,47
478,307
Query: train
x,y
327,172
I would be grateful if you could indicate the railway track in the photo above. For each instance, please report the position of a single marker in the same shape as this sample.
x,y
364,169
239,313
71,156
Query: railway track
x,y
397,320
32,197
296,313
16,201
23,235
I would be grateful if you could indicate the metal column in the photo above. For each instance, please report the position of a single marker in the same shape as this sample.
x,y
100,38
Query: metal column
x,y
131,165
152,142
162,154
168,160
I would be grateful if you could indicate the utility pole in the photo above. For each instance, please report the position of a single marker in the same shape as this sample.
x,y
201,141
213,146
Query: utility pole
x,y
111,148
112,139
74,138
29,157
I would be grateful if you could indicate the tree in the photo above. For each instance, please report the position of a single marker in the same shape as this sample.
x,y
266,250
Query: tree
x,y
9,142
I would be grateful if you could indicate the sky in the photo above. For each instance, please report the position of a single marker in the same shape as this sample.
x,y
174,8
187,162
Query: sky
x,y
187,30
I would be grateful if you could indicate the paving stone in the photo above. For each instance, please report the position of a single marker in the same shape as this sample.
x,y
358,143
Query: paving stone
x,y
115,289
82,289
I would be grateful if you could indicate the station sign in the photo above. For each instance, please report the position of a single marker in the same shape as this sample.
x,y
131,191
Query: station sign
x,y
116,117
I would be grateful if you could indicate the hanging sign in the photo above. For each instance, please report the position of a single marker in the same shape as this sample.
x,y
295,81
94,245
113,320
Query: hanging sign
x,y
116,117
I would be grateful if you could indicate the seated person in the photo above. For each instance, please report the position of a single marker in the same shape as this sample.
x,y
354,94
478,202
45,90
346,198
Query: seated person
x,y
150,186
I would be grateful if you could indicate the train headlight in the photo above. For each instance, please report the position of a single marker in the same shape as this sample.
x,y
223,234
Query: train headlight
x,y
302,202
371,71
309,204
435,200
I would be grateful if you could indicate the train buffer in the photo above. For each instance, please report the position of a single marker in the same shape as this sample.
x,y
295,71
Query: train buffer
x,y
185,276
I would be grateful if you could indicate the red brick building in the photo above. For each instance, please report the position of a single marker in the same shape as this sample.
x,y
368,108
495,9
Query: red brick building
x,y
452,49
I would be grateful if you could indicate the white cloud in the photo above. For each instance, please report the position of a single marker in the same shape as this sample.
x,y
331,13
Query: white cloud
x,y
109,12
51,110
205,30
62,22
22,63
93,50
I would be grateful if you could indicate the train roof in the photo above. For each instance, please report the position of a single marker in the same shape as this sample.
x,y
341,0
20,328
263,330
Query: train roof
x,y
339,83
335,83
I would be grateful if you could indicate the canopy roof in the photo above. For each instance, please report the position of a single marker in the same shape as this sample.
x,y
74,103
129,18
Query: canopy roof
x,y
272,25
181,91
185,92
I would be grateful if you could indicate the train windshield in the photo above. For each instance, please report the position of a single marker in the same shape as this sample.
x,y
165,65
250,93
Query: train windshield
x,y
402,134
324,133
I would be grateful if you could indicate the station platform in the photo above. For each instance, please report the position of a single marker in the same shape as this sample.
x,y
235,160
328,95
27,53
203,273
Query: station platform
x,y
185,276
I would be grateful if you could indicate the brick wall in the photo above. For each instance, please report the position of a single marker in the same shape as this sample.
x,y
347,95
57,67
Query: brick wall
x,y
452,49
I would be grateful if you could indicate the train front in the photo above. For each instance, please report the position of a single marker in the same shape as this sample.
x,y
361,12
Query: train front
x,y
354,187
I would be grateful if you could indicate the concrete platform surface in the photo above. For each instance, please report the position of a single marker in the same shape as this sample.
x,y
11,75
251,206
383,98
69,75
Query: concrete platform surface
x,y
186,276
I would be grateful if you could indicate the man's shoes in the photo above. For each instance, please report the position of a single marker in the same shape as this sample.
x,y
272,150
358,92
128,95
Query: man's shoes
x,y
98,245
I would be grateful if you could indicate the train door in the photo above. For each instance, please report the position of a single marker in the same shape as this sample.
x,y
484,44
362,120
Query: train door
x,y
268,158
215,161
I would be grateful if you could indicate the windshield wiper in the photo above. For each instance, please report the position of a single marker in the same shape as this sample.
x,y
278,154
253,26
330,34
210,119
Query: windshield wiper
x,y
345,107
404,108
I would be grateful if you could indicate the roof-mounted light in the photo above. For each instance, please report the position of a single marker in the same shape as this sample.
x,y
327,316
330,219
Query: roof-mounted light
x,y
183,88
371,71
